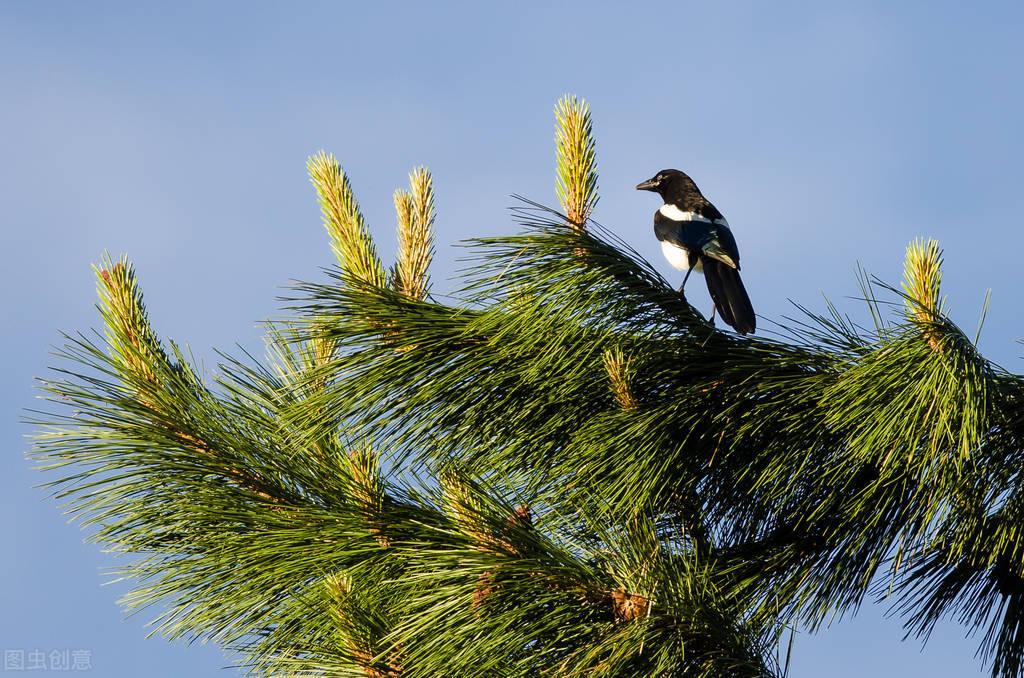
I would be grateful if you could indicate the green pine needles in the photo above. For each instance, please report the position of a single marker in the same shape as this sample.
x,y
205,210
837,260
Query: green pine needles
x,y
565,472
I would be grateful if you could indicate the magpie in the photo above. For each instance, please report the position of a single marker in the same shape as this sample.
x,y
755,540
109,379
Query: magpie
x,y
696,237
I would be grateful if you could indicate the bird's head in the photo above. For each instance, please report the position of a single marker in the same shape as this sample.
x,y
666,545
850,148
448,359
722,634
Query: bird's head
x,y
671,184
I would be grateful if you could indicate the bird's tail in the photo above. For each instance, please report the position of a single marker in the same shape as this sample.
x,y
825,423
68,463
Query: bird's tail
x,y
730,296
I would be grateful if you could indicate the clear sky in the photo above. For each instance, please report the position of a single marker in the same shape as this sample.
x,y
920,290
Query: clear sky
x,y
828,133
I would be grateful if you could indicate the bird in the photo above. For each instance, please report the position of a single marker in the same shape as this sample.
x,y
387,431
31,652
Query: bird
x,y
695,236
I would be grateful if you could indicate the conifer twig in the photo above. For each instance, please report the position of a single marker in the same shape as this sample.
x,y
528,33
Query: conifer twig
x,y
576,160
620,374
368,491
144,363
129,333
922,276
349,233
415,210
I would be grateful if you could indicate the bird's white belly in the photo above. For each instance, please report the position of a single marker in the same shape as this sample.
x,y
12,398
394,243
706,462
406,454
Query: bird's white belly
x,y
678,257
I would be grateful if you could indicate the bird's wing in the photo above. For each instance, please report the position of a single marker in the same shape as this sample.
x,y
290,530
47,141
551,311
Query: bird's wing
x,y
720,244
713,240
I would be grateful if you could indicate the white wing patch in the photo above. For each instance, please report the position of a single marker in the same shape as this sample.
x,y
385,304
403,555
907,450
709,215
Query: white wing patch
x,y
675,214
678,257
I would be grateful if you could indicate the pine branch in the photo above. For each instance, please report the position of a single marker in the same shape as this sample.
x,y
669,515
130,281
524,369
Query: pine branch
x,y
576,160
362,630
348,231
415,210
887,399
620,374
516,599
144,365
922,277
128,330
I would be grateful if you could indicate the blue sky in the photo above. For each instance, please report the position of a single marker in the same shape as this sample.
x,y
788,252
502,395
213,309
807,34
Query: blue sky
x,y
828,133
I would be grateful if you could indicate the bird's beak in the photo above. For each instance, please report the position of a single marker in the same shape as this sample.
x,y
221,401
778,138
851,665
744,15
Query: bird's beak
x,y
649,185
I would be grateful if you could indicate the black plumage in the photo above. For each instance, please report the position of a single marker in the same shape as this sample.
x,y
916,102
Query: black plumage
x,y
695,236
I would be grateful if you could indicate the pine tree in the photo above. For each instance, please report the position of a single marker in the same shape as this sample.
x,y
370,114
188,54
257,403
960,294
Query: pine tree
x,y
565,471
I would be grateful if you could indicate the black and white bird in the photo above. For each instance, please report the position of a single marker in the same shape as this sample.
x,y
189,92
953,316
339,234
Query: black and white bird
x,y
696,237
